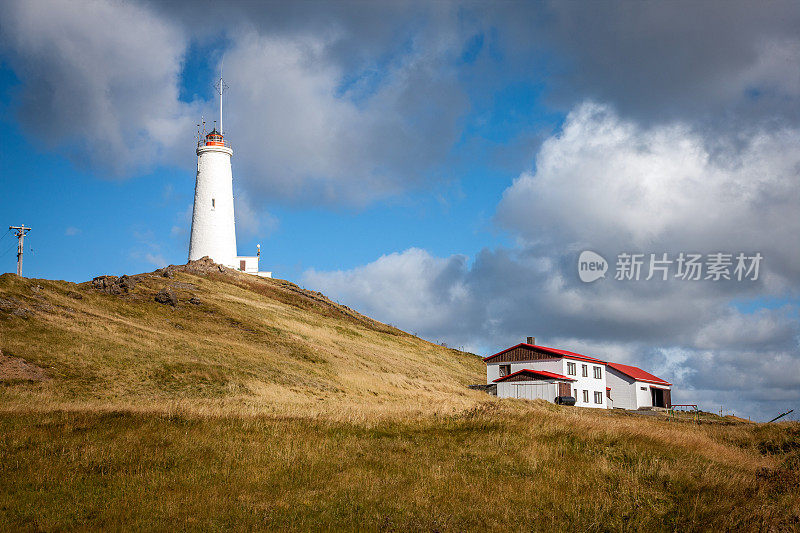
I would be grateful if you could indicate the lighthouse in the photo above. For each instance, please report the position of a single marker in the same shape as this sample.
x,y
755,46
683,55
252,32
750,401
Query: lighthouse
x,y
213,223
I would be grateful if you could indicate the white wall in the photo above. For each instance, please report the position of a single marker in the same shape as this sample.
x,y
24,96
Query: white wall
x,y
559,366
589,383
213,227
643,398
627,393
527,390
250,264
550,365
623,389
492,372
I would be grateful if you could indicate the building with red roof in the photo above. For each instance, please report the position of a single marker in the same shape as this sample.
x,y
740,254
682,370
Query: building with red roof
x,y
633,388
547,373
530,371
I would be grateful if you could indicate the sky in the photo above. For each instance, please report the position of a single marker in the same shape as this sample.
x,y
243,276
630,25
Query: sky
x,y
440,166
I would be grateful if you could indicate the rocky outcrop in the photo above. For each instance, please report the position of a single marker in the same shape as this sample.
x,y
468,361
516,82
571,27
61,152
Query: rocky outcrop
x,y
114,284
14,307
166,297
204,265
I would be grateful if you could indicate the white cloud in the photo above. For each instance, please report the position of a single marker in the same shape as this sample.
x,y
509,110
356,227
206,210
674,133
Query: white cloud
x,y
608,183
71,231
299,136
250,221
100,80
155,260
412,289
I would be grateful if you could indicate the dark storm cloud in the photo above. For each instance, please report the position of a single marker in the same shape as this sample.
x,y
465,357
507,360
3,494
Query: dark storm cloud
x,y
709,61
92,85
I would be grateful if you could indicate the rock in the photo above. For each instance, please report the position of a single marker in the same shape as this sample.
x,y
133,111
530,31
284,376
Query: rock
x,y
167,272
167,297
200,266
106,284
21,312
194,300
75,295
113,284
127,283
13,307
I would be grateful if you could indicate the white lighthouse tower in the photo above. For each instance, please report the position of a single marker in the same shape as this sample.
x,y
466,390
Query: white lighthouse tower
x,y
213,226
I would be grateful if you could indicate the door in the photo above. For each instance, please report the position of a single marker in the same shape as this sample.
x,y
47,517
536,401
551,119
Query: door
x,y
564,389
657,396
242,265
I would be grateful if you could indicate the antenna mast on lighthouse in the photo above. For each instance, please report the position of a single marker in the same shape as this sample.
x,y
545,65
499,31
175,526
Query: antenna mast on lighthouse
x,y
220,86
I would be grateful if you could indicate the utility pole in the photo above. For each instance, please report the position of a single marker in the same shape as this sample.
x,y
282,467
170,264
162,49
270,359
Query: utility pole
x,y
20,233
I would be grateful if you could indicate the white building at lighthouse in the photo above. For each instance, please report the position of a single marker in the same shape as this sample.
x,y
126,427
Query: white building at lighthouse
x,y
213,223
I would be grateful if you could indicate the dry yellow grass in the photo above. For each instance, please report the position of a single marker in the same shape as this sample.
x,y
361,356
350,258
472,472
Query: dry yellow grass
x,y
270,407
520,467
258,345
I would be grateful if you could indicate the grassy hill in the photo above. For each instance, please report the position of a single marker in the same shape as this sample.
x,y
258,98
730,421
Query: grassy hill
x,y
229,341
200,398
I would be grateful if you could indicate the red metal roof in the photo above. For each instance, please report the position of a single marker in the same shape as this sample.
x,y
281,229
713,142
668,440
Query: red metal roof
x,y
542,373
554,351
638,374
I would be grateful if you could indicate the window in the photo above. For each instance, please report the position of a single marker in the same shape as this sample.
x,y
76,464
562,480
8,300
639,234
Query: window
x,y
571,369
505,370
576,395
213,203
586,396
584,370
598,372
598,397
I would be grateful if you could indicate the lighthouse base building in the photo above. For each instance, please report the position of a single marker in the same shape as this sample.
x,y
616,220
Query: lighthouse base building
x,y
213,223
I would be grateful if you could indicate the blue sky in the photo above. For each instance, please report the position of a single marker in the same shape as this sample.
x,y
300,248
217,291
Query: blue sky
x,y
436,166
89,223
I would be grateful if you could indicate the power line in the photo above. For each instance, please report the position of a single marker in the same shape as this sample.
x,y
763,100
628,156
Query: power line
x,y
7,251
